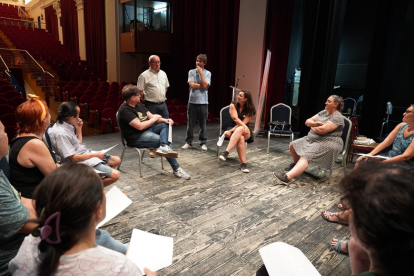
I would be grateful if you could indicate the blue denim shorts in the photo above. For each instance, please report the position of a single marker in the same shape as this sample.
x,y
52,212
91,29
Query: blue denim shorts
x,y
102,167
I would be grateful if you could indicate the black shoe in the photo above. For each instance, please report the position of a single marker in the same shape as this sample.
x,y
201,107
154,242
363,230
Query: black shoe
x,y
291,165
224,155
282,177
243,168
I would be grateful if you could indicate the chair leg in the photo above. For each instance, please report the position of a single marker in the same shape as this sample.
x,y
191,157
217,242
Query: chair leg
x,y
139,162
162,162
268,142
122,157
218,151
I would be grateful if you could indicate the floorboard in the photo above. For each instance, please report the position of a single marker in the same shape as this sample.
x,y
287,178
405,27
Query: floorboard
x,y
221,217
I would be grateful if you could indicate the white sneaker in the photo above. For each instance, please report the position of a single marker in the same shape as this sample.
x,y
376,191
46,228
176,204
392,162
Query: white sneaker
x,y
186,146
166,151
203,147
180,173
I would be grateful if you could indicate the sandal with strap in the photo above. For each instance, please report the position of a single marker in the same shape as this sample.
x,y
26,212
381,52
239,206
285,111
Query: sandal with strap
x,y
328,215
337,247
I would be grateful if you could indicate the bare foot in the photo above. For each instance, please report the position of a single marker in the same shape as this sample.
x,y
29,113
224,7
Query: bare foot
x,y
336,217
341,248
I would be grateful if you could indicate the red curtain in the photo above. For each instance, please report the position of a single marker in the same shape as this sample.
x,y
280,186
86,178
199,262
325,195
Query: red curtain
x,y
278,32
208,27
94,12
52,22
70,25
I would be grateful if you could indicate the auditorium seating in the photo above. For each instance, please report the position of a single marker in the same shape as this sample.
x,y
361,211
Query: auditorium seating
x,y
9,11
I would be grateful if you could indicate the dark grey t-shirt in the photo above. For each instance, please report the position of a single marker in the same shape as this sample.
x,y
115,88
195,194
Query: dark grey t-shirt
x,y
126,114
13,216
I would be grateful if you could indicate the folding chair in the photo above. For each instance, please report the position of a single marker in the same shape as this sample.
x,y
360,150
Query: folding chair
x,y
140,155
280,113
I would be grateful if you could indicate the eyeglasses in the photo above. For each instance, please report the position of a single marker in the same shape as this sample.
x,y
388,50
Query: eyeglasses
x,y
408,111
155,62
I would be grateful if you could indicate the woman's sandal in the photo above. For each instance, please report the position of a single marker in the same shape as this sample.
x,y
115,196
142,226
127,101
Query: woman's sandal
x,y
328,215
337,247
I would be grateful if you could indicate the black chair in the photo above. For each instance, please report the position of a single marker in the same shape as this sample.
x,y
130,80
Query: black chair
x,y
139,150
280,113
349,106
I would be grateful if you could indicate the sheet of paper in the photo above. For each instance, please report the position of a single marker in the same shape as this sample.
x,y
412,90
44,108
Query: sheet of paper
x,y
105,150
116,202
220,140
170,132
373,156
150,250
282,259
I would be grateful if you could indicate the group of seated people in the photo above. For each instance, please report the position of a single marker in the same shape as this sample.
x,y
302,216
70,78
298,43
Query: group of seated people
x,y
56,190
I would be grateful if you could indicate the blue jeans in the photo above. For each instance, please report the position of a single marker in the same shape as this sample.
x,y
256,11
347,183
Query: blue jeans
x,y
103,238
155,136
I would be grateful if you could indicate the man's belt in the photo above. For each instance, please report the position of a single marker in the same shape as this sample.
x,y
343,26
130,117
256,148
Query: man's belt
x,y
154,102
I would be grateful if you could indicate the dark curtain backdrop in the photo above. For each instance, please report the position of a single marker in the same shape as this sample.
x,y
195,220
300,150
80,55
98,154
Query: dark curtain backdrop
x,y
278,31
94,12
52,22
70,25
209,27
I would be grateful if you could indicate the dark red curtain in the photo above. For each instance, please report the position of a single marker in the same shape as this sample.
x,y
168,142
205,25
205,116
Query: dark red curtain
x,y
52,22
94,12
70,25
278,32
209,27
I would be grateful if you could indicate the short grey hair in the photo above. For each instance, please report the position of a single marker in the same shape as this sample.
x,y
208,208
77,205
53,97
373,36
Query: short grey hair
x,y
339,101
151,56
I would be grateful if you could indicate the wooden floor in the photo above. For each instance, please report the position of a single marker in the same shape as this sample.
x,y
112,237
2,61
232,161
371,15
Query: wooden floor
x,y
221,217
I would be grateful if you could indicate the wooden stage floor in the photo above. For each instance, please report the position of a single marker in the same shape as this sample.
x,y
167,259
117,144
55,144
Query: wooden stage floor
x,y
221,217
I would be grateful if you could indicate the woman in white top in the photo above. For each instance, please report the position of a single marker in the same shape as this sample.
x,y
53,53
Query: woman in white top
x,y
70,202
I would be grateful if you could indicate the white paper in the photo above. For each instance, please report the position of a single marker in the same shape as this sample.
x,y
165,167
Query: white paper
x,y
116,202
150,250
281,259
169,132
221,139
105,150
373,156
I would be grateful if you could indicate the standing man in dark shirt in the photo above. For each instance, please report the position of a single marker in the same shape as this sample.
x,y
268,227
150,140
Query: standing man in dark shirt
x,y
142,129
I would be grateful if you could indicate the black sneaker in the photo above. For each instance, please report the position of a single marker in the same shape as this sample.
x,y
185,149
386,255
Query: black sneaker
x,y
243,168
282,177
291,165
224,155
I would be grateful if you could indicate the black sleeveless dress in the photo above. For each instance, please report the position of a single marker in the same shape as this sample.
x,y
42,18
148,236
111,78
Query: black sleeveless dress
x,y
241,116
24,180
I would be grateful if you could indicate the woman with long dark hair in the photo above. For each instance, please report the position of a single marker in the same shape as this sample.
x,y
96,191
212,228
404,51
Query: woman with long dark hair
x,y
241,111
70,202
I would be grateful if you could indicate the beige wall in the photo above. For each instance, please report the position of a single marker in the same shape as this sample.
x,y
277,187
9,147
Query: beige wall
x,y
36,7
18,3
250,45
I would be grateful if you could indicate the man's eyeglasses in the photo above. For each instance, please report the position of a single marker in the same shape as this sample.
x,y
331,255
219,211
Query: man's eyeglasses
x,y
408,111
155,62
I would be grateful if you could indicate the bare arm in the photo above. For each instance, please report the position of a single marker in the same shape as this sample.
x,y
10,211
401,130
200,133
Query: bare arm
x,y
311,122
28,226
388,141
35,154
78,128
407,155
83,157
137,124
325,128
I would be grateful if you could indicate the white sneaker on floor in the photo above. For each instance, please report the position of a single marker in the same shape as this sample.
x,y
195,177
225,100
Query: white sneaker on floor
x,y
166,151
180,173
203,147
186,146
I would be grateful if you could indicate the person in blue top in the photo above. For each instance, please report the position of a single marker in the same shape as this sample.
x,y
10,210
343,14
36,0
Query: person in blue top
x,y
199,82
400,138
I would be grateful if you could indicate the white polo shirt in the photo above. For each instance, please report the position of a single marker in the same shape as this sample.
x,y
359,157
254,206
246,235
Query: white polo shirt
x,y
153,84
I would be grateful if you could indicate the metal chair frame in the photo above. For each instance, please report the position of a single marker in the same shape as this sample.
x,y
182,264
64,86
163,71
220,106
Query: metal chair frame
x,y
271,120
140,151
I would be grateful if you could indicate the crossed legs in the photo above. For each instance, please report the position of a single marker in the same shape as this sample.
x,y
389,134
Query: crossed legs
x,y
239,138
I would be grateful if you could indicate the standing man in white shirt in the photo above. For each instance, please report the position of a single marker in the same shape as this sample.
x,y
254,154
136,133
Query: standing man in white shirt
x,y
153,84
199,82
